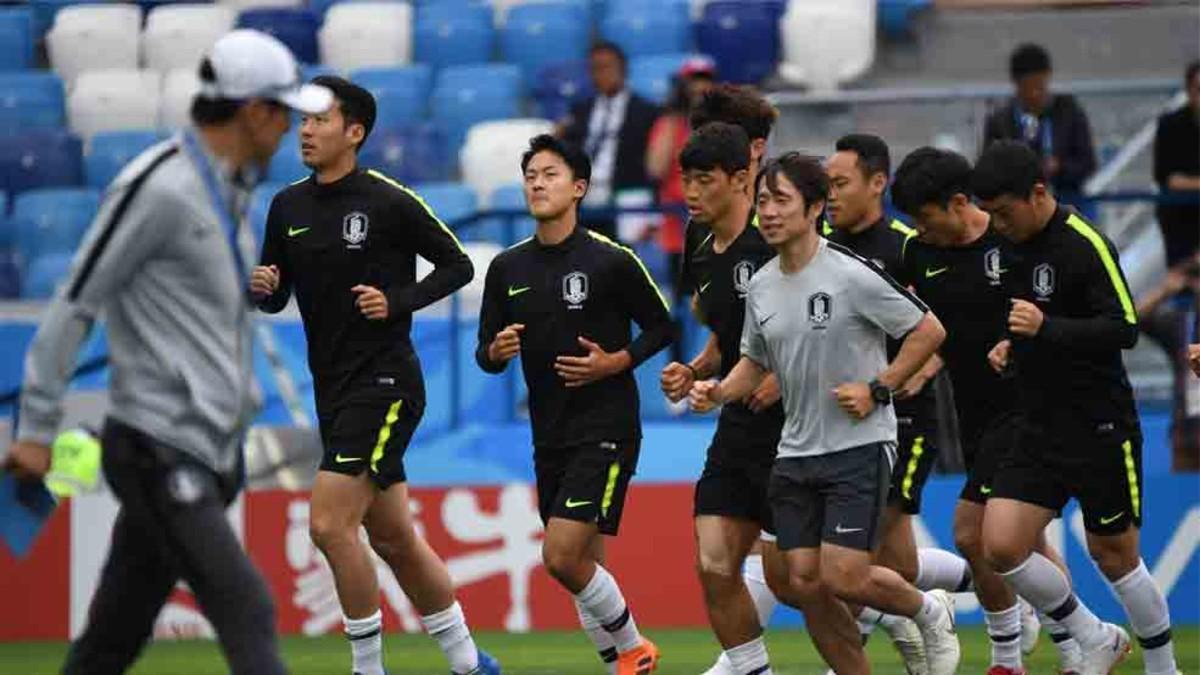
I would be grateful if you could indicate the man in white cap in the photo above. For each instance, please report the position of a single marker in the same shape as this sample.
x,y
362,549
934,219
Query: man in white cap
x,y
165,263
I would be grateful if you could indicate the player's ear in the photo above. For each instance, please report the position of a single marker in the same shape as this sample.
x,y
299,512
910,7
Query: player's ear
x,y
579,188
878,182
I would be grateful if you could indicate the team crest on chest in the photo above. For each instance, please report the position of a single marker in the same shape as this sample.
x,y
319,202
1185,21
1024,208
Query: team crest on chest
x,y
575,289
354,229
1043,281
991,266
741,276
820,308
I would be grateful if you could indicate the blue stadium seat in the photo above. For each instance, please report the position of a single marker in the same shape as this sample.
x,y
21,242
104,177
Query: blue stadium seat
x,y
39,159
401,94
466,95
537,34
450,201
453,34
560,85
310,70
296,28
287,165
53,220
16,38
650,76
896,16
44,11
512,198
413,154
10,273
31,100
260,204
644,29
108,152
654,404
742,37
44,274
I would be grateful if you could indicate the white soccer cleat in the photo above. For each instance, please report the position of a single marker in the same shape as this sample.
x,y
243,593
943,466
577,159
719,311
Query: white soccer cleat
x,y
906,638
1103,659
1031,627
942,651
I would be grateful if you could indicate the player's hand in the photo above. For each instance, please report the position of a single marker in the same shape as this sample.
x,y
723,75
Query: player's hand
x,y
27,460
676,381
1025,318
765,395
999,356
914,386
855,399
507,344
597,365
264,281
704,396
371,302
1194,358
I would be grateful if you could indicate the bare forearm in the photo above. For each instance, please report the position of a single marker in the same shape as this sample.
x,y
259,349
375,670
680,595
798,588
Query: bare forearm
x,y
915,352
740,382
708,362
1183,182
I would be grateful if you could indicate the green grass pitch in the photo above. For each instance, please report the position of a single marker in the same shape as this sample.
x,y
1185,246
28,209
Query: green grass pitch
x,y
561,653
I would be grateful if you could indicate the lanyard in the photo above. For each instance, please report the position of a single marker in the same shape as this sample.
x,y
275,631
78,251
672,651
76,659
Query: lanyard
x,y
220,206
1044,129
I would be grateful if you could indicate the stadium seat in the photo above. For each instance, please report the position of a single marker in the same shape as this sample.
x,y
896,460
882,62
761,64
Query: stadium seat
x,y
654,404
481,254
296,28
827,42
37,159
260,205
44,12
491,155
31,100
310,70
53,220
466,95
179,87
646,29
896,16
94,37
365,34
650,76
411,155
114,100
177,36
16,38
287,165
536,35
249,4
559,86
510,197
10,273
43,276
450,34
742,37
108,152
451,202
401,94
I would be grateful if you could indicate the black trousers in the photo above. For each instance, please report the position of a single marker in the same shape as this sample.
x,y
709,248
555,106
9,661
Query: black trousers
x,y
171,526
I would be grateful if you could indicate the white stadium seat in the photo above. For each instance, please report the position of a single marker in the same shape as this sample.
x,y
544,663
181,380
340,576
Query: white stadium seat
x,y
827,42
178,88
249,4
177,36
491,155
481,254
113,100
366,34
94,37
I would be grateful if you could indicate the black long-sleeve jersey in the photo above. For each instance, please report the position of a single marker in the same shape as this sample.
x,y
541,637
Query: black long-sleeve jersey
x,y
586,286
1071,372
366,229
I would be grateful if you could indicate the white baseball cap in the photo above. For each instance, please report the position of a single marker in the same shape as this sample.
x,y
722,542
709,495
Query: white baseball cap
x,y
252,64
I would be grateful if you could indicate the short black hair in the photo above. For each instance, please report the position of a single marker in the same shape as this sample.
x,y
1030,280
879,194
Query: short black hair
x,y
930,176
357,104
872,151
614,49
716,146
1006,168
212,111
736,104
1028,59
804,171
1192,69
576,159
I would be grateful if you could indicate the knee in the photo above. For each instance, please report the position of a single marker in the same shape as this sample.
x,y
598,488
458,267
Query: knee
x,y
968,540
328,533
841,581
1115,561
1003,555
392,544
564,564
716,571
804,584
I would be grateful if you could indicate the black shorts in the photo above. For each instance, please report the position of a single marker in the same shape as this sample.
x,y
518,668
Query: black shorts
x,y
982,452
1100,466
916,453
735,490
836,498
369,434
585,482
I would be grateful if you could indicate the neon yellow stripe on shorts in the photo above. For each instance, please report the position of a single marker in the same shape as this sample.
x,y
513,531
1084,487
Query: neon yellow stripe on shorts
x,y
614,470
1135,495
385,433
918,449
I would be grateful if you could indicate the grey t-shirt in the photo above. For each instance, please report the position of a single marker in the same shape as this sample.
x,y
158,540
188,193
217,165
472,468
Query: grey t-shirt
x,y
821,327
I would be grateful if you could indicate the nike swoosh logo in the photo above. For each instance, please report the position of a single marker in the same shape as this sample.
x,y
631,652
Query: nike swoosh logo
x,y
763,322
929,274
513,292
342,460
985,490
1110,520
571,504
705,287
842,530
295,231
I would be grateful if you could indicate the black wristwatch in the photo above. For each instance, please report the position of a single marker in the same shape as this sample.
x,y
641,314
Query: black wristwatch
x,y
880,393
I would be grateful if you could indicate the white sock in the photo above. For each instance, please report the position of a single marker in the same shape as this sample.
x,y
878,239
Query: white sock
x,y
603,600
449,628
942,569
760,592
1147,611
1004,629
366,643
868,618
1069,653
723,666
750,658
602,639
930,613
1045,587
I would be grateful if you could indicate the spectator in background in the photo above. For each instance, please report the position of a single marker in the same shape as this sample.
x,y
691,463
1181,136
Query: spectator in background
x,y
1055,126
613,128
667,137
1177,169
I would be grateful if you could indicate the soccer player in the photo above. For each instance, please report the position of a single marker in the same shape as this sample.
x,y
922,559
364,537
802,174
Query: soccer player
x,y
1071,315
161,263
563,300
958,265
817,315
345,240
